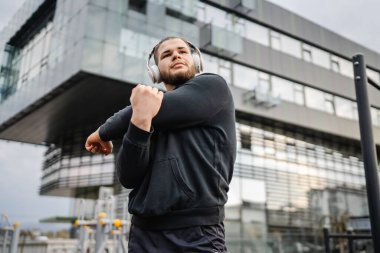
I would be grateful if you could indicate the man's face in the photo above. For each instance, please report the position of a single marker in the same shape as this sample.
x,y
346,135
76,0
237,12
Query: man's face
x,y
175,62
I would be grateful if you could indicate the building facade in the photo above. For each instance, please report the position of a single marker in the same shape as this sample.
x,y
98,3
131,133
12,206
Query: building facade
x,y
68,65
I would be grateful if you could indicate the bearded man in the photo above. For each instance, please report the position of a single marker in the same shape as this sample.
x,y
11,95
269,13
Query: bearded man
x,y
177,154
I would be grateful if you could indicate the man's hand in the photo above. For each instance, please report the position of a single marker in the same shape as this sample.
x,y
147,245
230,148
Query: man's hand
x,y
146,102
95,145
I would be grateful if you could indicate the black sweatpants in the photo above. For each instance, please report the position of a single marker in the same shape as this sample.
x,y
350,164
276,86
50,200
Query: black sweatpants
x,y
184,240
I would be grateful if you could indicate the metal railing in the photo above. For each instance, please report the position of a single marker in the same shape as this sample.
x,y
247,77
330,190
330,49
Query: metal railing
x,y
349,236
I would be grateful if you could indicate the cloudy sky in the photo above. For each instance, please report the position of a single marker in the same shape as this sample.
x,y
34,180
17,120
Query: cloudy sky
x,y
20,164
355,20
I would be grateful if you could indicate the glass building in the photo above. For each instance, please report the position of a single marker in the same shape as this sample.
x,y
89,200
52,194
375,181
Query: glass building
x,y
68,65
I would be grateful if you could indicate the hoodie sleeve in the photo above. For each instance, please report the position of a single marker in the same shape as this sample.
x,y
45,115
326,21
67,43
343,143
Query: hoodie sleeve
x,y
133,158
117,125
193,103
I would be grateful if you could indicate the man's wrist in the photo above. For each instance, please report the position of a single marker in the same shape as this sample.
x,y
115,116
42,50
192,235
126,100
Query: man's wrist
x,y
143,123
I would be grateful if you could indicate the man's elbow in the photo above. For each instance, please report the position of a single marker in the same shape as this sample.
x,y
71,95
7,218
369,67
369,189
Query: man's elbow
x,y
126,183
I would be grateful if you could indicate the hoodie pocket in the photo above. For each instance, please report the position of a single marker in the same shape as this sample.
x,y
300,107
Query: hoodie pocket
x,y
166,190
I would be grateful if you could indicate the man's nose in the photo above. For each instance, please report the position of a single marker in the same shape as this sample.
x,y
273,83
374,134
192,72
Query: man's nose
x,y
176,55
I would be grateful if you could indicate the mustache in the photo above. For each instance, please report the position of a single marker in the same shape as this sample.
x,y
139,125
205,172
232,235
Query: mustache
x,y
177,62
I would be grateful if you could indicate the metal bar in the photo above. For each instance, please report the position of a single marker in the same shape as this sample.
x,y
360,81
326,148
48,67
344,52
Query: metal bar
x,y
99,237
326,238
356,236
368,148
5,240
350,243
15,238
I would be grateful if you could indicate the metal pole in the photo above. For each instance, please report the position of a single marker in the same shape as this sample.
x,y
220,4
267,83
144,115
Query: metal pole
x,y
326,239
350,242
368,148
5,240
15,238
99,233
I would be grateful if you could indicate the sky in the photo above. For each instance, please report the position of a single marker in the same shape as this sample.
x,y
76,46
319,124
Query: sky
x,y
356,20
20,164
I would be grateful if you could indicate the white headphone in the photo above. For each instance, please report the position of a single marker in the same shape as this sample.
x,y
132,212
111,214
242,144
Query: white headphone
x,y
154,72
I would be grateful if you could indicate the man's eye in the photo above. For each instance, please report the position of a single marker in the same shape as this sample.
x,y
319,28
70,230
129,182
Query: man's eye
x,y
183,52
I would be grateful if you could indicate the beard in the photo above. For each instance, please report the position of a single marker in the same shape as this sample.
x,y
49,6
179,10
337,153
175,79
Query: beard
x,y
178,78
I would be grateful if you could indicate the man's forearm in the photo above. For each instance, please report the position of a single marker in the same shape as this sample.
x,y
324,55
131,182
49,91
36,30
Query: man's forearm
x,y
116,126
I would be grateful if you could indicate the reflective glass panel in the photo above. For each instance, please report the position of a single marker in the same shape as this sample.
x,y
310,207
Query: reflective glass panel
x,y
344,108
244,77
314,99
257,33
283,89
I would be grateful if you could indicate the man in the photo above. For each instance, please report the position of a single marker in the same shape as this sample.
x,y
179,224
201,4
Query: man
x,y
177,154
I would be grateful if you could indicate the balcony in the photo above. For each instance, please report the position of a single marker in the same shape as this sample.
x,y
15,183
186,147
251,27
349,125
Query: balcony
x,y
220,40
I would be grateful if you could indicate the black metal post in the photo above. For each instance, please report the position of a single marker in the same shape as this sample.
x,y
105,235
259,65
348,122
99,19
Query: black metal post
x,y
350,243
326,238
368,148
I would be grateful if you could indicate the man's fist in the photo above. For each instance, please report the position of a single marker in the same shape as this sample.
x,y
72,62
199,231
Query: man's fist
x,y
95,145
146,102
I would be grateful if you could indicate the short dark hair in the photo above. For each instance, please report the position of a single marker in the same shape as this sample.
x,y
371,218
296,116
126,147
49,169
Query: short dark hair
x,y
155,49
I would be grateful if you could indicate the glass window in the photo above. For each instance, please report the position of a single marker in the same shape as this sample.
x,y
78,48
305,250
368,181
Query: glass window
x,y
213,15
222,38
112,61
275,40
113,27
225,70
314,98
96,21
321,58
344,108
250,4
235,23
346,67
187,7
210,63
257,33
244,77
335,64
37,52
298,94
245,140
329,103
263,85
128,42
136,44
375,115
47,42
291,46
375,76
138,5
306,52
282,88
218,66
91,61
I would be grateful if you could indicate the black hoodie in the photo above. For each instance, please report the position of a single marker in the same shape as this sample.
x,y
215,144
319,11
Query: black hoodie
x,y
180,171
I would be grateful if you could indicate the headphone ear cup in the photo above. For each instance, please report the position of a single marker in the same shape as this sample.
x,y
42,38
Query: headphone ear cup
x,y
197,62
154,74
